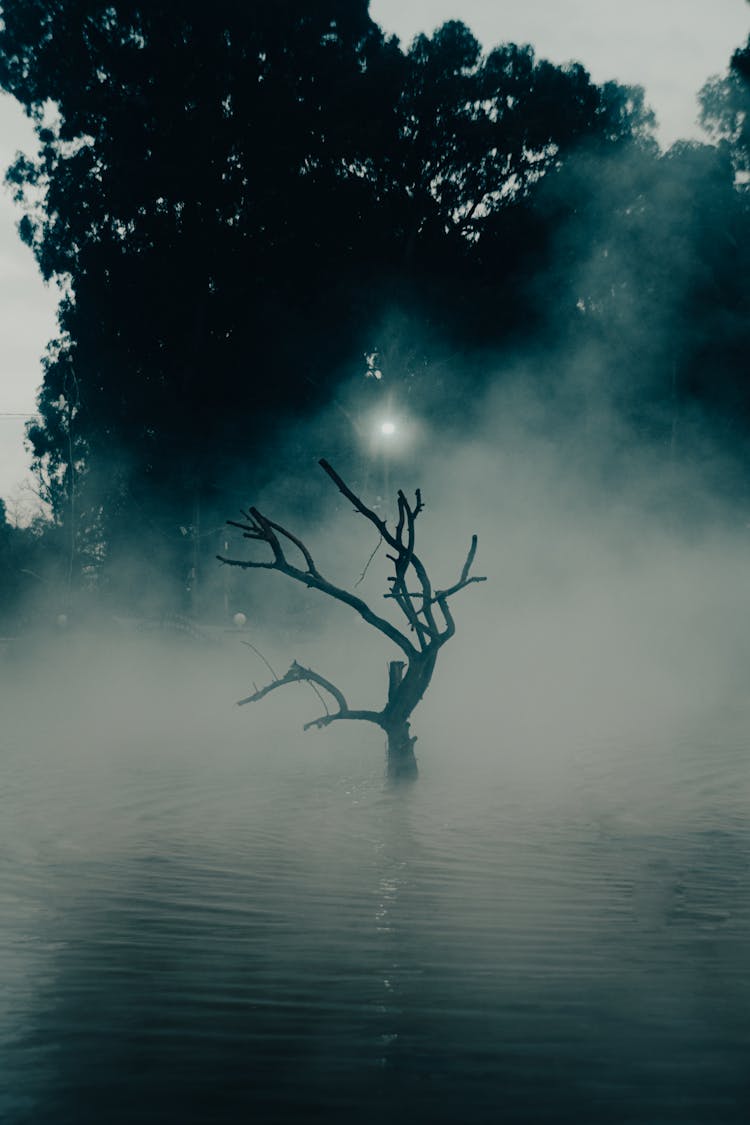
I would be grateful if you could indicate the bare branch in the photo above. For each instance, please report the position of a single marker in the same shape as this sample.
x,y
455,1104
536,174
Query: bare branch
x,y
440,597
246,564
469,558
259,693
458,586
267,528
359,505
450,624
248,527
401,518
260,654
363,716
367,564
401,563
426,630
295,674
316,581
406,556
298,674
298,544
464,580
410,558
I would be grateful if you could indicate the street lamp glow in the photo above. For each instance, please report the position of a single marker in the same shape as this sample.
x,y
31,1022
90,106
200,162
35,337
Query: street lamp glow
x,y
387,428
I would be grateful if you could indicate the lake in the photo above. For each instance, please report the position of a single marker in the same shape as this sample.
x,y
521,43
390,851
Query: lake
x,y
207,916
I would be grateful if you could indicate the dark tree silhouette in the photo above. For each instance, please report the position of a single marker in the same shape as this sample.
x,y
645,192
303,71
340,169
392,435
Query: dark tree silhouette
x,y
425,609
188,193
231,195
29,569
725,107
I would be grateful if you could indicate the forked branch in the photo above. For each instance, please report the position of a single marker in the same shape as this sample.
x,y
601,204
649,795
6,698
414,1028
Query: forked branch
x,y
259,527
299,674
412,592
416,605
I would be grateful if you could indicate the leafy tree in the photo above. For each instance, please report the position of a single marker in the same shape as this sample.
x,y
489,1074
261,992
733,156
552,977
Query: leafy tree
x,y
230,195
725,107
28,574
10,578
5,568
475,134
166,197
643,302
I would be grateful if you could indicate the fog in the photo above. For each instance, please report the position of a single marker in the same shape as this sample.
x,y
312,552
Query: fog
x,y
613,603
612,610
210,913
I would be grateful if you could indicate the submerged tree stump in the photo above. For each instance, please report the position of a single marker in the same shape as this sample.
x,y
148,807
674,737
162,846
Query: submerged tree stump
x,y
401,763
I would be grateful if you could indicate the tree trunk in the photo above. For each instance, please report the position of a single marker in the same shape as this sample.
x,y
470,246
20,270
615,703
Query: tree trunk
x,y
402,765
403,697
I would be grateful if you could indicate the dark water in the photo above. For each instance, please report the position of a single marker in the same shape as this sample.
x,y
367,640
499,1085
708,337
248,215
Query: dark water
x,y
203,923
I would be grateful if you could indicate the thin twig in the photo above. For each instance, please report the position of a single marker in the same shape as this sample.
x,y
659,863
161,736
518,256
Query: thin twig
x,y
367,564
320,697
260,654
469,559
458,586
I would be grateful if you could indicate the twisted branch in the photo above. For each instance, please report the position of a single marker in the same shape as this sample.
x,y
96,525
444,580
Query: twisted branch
x,y
406,688
299,674
416,605
259,527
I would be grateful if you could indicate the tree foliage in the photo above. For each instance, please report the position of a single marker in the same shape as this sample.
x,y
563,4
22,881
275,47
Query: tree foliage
x,y
725,107
234,196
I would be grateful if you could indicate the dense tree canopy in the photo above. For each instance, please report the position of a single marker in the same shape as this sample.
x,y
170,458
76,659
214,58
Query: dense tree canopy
x,y
234,196
725,106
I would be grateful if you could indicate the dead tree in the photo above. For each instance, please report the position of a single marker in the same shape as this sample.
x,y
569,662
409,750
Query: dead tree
x,y
426,610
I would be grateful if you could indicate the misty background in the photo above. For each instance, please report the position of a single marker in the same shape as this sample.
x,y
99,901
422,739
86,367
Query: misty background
x,y
277,255
278,233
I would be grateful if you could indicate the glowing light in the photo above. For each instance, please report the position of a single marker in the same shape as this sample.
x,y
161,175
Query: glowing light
x,y
388,428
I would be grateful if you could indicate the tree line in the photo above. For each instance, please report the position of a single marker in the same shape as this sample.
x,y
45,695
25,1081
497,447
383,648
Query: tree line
x,y
237,199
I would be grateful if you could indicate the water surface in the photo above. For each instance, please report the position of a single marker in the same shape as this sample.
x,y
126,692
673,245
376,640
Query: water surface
x,y
208,917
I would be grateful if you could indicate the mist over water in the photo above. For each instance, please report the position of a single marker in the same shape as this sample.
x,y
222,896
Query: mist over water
x,y
209,915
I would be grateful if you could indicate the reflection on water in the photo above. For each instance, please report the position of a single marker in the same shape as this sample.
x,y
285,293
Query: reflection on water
x,y
223,929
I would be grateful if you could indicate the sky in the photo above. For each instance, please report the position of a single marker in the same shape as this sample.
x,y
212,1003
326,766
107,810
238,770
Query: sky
x,y
669,46
27,320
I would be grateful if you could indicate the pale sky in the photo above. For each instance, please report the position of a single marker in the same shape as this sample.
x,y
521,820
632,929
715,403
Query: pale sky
x,y
27,315
669,46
